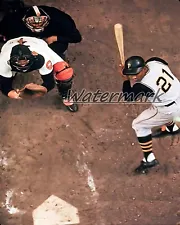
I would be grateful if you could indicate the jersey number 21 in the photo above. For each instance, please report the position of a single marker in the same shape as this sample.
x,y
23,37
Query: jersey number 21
x,y
164,81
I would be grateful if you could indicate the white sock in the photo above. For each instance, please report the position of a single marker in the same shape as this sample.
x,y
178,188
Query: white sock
x,y
150,158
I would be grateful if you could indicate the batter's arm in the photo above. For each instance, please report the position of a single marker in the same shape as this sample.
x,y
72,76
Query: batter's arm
x,y
137,91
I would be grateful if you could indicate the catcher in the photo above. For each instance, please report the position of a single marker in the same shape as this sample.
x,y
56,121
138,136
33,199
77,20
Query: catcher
x,y
26,54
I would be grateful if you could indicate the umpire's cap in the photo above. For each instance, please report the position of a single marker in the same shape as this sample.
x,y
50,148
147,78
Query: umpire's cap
x,y
133,65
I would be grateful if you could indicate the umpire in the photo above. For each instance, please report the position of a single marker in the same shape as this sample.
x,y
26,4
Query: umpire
x,y
56,27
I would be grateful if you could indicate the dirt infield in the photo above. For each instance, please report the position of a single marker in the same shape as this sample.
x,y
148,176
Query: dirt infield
x,y
87,158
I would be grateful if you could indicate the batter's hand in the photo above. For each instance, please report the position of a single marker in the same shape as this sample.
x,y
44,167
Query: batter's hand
x,y
50,40
124,77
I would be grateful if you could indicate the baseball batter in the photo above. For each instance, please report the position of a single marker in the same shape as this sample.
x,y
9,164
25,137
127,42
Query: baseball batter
x,y
26,54
153,80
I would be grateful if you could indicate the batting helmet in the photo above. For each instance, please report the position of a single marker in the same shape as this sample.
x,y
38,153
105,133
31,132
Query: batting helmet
x,y
21,58
133,65
36,19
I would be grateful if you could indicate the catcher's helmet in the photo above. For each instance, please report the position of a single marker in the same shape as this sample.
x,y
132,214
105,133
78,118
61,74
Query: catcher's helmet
x,y
21,58
36,19
133,65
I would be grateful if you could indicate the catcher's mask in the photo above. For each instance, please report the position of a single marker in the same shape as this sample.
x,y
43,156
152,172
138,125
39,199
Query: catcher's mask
x,y
36,19
21,58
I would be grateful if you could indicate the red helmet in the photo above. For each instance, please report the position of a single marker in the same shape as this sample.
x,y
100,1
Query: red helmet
x,y
36,19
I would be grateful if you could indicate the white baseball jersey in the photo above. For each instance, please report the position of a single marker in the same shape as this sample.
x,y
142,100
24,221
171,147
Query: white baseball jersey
x,y
167,90
164,84
37,45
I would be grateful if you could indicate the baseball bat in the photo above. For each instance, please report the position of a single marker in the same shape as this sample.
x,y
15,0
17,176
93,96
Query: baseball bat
x,y
118,30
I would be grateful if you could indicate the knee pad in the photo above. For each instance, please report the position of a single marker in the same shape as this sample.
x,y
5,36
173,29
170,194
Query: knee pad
x,y
62,71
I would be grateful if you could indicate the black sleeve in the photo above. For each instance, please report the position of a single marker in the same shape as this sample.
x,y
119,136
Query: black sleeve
x,y
3,28
71,34
137,91
48,81
64,26
6,85
10,25
5,22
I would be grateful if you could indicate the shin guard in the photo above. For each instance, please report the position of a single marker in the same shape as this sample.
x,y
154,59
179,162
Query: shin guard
x,y
63,75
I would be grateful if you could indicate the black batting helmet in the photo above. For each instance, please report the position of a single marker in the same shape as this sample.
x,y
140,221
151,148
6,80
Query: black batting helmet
x,y
19,53
133,65
36,19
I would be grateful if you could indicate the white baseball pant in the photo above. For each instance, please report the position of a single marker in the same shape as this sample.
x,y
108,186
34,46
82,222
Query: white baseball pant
x,y
153,117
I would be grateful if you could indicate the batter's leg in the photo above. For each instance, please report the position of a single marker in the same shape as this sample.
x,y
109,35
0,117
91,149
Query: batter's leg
x,y
168,129
143,125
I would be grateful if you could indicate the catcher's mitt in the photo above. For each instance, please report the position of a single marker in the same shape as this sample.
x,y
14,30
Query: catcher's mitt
x,y
32,91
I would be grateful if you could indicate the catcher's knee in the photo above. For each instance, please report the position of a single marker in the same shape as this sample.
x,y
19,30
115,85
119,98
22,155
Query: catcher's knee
x,y
62,71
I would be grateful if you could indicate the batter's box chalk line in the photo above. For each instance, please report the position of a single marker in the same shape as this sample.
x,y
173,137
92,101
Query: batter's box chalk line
x,y
3,159
83,169
8,204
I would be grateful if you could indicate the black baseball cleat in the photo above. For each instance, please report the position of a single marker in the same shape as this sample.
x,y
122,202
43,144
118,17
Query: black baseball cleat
x,y
144,167
163,133
72,108
70,105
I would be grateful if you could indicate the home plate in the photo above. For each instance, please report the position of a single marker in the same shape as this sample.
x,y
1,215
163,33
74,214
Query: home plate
x,y
55,211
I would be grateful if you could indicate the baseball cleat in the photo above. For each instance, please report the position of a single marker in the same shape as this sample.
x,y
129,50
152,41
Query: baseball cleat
x,y
144,167
72,108
163,133
70,105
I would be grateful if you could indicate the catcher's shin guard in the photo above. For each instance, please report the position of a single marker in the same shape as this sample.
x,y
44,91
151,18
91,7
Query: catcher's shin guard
x,y
64,88
63,75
